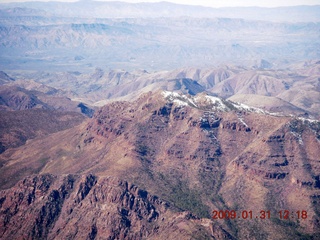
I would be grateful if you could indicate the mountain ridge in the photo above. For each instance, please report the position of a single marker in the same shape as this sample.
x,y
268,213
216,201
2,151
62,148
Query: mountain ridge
x,y
197,158
297,87
34,40
159,121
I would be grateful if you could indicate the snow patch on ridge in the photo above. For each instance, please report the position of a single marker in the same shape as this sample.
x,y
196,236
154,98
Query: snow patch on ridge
x,y
202,100
218,103
242,121
206,101
170,95
180,100
241,106
180,103
214,100
212,103
308,120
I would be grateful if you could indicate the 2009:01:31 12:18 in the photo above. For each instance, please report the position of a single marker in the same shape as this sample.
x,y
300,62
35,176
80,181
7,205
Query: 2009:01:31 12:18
x,y
232,214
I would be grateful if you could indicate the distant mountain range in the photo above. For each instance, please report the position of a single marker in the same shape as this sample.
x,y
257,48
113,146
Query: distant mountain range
x,y
294,90
156,36
118,9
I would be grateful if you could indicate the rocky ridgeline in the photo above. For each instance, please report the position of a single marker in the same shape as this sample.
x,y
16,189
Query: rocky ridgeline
x,y
87,207
198,153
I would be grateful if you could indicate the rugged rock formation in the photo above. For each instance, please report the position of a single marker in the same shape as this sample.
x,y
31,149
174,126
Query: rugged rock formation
x,y
199,153
88,207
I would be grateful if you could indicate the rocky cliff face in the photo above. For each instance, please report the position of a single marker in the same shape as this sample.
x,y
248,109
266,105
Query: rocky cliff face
x,y
88,207
199,153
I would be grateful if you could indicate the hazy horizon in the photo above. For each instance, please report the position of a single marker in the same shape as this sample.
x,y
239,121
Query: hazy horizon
x,y
215,4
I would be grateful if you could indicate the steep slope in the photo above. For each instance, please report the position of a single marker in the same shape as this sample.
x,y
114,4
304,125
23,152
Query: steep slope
x,y
198,153
87,207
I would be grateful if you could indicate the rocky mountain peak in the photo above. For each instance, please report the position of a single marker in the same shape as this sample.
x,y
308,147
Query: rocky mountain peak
x,y
206,102
198,153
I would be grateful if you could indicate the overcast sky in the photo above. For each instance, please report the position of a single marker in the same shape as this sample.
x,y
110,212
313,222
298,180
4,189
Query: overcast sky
x,y
215,3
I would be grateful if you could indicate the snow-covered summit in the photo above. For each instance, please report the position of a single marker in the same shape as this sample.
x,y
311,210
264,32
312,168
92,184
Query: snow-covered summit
x,y
207,102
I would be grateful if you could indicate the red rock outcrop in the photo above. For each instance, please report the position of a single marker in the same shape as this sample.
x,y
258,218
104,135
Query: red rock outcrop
x,y
88,207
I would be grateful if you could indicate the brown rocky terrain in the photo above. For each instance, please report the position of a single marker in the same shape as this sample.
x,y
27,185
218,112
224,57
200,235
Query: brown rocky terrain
x,y
16,98
199,154
16,127
159,121
29,95
88,207
29,110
